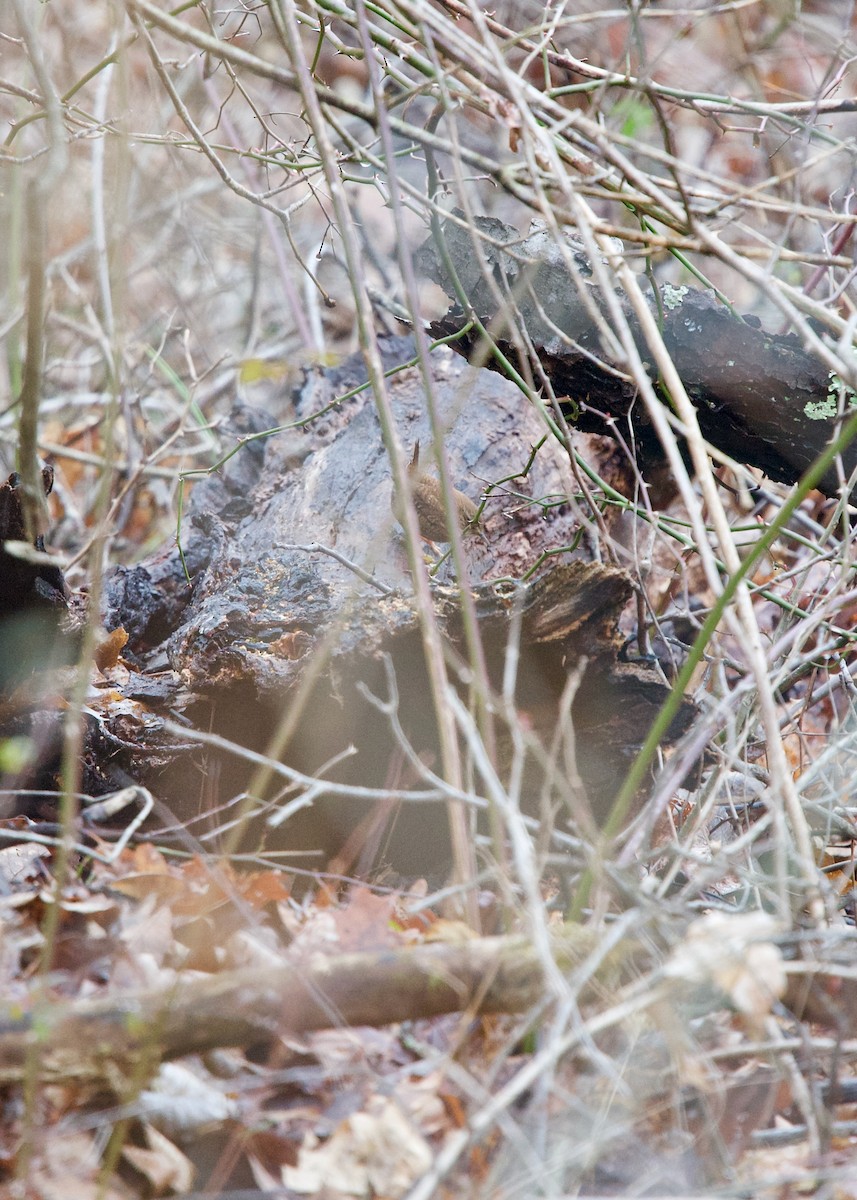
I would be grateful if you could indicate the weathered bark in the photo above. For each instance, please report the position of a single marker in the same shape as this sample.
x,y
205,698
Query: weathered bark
x,y
265,591
297,561
106,1040
759,397
101,1039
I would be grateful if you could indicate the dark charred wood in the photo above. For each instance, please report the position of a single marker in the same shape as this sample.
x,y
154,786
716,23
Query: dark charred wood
x,y
39,638
24,585
760,397
36,631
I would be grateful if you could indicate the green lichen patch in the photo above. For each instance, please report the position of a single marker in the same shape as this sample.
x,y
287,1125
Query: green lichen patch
x,y
836,389
839,396
820,410
673,296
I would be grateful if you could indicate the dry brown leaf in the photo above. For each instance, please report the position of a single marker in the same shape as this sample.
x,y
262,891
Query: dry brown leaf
x,y
272,1152
374,1153
19,865
162,1164
148,929
109,647
264,887
165,888
67,1168
735,953
366,921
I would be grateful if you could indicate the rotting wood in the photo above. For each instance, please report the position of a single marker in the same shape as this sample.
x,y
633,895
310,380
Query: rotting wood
x,y
760,397
297,565
297,560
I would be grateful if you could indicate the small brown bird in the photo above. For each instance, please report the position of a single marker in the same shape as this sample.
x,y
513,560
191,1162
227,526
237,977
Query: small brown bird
x,y
428,503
